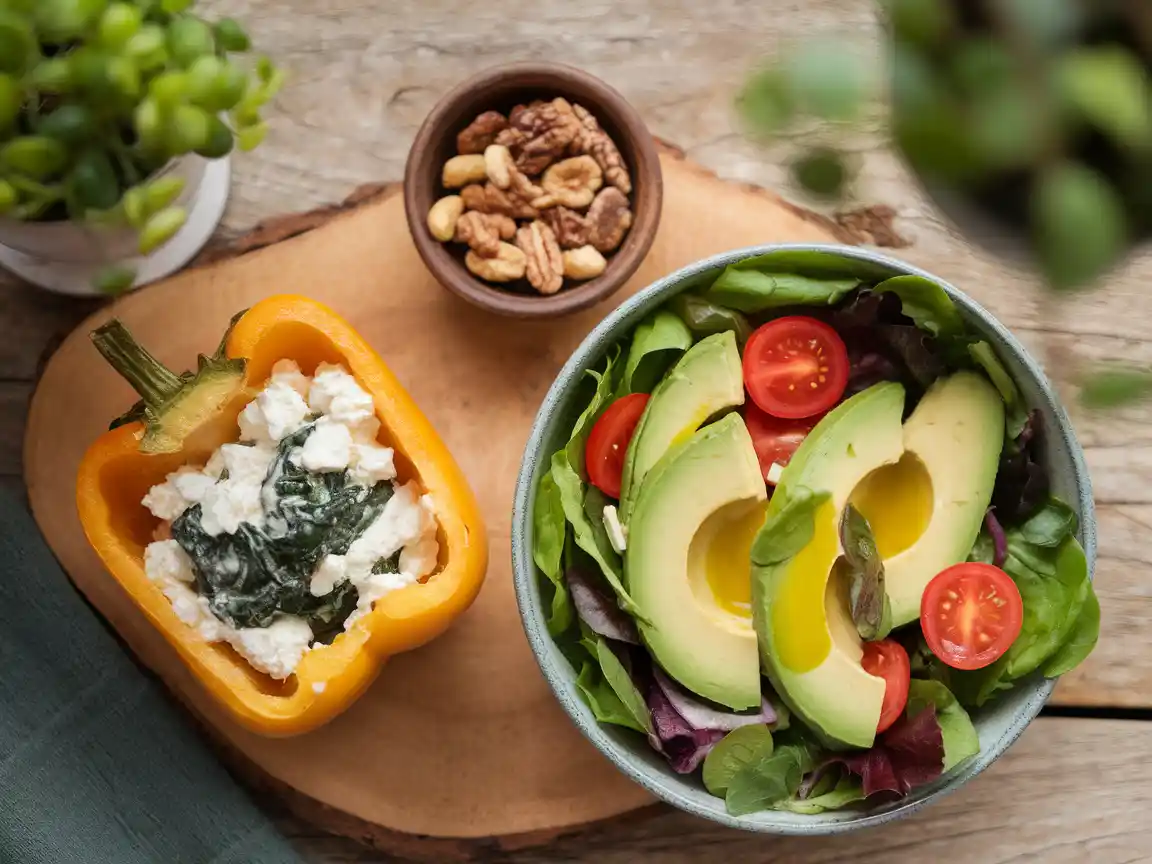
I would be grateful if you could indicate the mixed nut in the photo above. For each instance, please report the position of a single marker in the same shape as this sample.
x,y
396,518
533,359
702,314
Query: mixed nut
x,y
543,195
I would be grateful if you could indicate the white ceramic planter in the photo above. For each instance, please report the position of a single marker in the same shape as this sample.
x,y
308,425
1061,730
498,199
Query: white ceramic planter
x,y
64,257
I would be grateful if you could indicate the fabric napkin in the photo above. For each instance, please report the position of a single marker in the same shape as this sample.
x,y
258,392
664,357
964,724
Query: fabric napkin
x,y
96,766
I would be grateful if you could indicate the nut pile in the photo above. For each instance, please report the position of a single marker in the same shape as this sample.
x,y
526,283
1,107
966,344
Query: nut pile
x,y
543,194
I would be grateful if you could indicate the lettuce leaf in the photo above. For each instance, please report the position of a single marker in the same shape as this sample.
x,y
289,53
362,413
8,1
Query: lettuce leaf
x,y
908,755
548,534
747,745
926,303
847,790
789,528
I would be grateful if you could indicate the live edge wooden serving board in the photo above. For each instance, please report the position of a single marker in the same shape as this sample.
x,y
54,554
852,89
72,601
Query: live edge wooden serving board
x,y
460,740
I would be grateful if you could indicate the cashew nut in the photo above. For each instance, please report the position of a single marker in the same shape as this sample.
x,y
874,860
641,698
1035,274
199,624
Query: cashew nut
x,y
583,263
500,165
444,215
461,170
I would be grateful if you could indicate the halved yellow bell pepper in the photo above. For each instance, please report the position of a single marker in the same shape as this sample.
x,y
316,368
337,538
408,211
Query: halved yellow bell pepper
x,y
187,418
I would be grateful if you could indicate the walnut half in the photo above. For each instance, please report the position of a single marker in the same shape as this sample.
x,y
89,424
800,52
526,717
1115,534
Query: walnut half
x,y
609,219
484,231
507,265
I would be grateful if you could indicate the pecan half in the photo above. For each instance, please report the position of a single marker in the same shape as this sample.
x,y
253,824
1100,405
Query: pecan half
x,y
609,219
544,261
480,133
593,141
570,228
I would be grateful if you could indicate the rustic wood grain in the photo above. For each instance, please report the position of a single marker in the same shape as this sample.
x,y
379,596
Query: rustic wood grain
x,y
1069,792
363,75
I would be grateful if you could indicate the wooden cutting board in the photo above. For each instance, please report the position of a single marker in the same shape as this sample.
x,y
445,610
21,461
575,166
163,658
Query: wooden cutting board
x,y
460,745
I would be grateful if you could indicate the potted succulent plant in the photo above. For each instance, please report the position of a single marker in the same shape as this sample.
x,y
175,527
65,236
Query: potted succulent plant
x,y
116,121
1028,121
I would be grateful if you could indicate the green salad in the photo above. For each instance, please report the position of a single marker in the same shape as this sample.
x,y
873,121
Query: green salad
x,y
802,527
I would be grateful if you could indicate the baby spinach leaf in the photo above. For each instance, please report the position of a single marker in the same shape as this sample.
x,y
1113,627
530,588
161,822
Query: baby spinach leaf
x,y
549,531
706,319
848,790
960,739
739,748
602,699
818,264
862,568
1050,525
983,550
751,290
657,344
762,784
1051,606
623,686
789,528
926,303
1083,638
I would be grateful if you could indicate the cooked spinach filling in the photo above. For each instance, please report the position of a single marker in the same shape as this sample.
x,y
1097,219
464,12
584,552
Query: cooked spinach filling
x,y
257,572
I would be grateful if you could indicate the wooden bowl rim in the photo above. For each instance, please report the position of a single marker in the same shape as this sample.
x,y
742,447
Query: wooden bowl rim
x,y
635,143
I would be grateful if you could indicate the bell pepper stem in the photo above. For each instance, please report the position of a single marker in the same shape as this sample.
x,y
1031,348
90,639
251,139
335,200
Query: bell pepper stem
x,y
151,379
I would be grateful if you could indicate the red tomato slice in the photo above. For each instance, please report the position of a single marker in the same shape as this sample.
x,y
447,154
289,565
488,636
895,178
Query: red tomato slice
x,y
971,614
888,660
775,439
608,442
795,367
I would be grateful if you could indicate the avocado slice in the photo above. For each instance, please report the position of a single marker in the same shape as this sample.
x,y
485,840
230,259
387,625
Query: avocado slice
x,y
926,511
808,643
708,379
688,564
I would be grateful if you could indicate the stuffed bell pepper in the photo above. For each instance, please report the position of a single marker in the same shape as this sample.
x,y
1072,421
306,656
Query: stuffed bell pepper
x,y
284,513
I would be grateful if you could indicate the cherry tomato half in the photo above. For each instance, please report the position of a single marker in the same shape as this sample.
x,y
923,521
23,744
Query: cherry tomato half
x,y
775,439
608,442
971,614
888,660
795,367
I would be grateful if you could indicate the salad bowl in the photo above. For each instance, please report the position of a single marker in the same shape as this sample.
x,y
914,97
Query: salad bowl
x,y
997,724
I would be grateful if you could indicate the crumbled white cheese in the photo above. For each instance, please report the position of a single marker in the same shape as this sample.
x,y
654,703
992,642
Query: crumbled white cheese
x,y
616,534
775,470
277,648
330,572
336,393
371,464
288,372
319,687
236,498
328,448
278,411
231,489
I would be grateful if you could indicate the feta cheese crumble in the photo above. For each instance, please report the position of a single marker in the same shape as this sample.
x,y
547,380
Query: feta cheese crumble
x,y
230,490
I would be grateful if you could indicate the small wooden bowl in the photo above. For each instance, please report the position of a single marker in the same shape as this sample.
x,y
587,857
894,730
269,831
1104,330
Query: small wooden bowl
x,y
500,89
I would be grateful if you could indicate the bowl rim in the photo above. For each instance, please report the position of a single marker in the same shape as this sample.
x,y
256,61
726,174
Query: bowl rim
x,y
647,197
563,687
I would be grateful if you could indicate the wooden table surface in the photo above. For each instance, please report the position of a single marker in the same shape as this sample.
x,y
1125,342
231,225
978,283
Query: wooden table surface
x,y
364,73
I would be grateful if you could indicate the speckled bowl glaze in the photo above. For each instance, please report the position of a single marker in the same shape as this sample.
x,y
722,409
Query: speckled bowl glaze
x,y
998,725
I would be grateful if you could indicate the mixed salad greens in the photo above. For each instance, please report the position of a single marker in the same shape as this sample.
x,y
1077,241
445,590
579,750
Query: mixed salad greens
x,y
800,529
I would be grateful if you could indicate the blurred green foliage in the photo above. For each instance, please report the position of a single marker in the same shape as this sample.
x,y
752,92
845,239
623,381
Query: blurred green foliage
x,y
97,97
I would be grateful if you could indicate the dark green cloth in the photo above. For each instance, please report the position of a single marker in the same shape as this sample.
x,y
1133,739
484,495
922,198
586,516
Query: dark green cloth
x,y
96,766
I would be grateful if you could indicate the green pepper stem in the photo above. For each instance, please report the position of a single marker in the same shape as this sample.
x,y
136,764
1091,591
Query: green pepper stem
x,y
155,383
